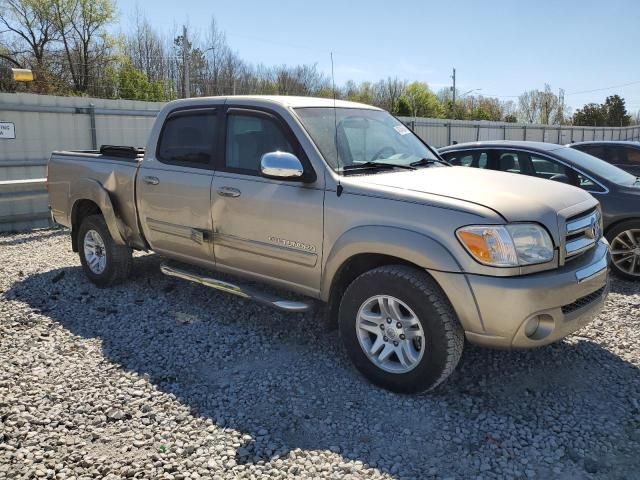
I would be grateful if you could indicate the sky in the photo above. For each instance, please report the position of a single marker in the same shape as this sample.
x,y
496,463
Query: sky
x,y
500,47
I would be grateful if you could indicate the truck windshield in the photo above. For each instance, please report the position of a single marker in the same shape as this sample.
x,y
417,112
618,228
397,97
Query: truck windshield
x,y
353,137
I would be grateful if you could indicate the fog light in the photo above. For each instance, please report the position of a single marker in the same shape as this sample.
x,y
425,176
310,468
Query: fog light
x,y
539,326
532,326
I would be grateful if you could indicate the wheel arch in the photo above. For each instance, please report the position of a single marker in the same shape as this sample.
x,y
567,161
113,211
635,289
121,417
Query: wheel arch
x,y
365,248
91,198
619,222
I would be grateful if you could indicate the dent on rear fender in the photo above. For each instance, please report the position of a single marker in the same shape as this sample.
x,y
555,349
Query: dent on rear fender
x,y
89,189
410,246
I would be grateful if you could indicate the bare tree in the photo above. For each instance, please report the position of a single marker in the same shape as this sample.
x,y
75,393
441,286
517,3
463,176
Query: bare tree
x,y
29,29
215,50
529,106
146,49
80,24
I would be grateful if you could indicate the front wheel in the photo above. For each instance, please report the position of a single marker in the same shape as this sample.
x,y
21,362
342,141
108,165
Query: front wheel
x,y
104,262
399,329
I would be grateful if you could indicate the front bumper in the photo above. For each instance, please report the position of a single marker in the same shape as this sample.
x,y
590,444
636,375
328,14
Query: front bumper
x,y
530,310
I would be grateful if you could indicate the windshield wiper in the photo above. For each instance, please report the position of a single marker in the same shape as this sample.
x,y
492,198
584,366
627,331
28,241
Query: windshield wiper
x,y
423,162
373,165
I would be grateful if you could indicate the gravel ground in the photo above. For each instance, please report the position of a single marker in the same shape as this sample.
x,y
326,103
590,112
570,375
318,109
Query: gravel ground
x,y
160,378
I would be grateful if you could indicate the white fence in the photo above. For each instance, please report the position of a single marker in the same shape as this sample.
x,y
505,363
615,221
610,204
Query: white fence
x,y
440,133
45,123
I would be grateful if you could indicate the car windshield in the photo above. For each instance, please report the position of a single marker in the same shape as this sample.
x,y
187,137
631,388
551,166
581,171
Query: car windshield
x,y
598,167
352,137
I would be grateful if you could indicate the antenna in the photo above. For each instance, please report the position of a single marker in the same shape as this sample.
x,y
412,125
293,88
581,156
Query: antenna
x,y
335,124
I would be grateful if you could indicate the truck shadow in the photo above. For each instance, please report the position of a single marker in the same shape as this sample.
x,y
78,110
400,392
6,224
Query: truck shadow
x,y
211,351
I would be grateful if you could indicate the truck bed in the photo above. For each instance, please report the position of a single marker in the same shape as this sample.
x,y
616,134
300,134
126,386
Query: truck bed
x,y
115,168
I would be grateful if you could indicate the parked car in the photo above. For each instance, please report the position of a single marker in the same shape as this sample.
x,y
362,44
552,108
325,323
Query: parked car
x,y
624,155
617,190
343,204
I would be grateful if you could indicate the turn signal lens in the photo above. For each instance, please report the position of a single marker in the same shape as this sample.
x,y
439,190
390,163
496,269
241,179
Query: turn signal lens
x,y
489,245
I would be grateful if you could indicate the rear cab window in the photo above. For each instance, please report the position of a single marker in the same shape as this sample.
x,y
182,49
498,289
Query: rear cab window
x,y
188,138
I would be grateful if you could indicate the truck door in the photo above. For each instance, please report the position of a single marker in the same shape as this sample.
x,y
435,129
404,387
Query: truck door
x,y
174,186
265,228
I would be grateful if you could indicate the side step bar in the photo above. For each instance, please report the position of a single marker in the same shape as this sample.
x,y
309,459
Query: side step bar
x,y
244,292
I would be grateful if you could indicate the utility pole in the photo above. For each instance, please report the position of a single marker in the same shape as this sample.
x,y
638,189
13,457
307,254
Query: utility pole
x,y
186,63
453,90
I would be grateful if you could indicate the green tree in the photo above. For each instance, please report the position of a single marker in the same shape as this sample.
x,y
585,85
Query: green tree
x,y
133,84
616,112
611,113
422,102
592,114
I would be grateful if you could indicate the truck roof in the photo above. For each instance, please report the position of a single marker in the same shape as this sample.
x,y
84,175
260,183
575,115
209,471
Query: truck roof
x,y
287,101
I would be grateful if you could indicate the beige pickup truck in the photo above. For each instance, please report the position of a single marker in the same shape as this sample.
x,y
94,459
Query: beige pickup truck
x,y
341,203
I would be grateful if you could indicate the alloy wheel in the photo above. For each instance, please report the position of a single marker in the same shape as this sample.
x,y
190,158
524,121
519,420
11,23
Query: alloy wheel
x,y
625,252
390,334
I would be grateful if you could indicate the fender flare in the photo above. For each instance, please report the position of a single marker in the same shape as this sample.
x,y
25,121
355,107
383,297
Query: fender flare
x,y
89,189
408,245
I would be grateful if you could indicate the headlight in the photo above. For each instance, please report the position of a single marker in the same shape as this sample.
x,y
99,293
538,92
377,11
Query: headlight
x,y
512,245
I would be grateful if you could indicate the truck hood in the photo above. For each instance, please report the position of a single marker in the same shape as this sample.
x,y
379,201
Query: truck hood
x,y
515,197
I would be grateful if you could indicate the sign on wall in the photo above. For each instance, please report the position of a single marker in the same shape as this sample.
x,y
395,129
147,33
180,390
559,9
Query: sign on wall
x,y
7,130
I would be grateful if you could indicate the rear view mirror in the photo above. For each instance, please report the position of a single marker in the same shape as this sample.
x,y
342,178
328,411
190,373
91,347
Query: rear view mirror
x,y
281,166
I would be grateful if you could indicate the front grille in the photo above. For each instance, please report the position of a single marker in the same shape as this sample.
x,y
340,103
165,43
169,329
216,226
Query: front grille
x,y
582,233
583,301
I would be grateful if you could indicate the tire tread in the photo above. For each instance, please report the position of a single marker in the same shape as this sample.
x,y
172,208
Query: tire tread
x,y
454,332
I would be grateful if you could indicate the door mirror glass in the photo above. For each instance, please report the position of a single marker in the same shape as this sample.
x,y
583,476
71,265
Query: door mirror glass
x,y
281,165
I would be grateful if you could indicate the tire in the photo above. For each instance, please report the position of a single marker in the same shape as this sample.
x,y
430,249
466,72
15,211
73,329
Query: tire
x,y
115,260
624,239
418,301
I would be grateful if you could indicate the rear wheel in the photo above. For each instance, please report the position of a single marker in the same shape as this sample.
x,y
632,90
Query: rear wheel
x,y
399,329
104,262
625,249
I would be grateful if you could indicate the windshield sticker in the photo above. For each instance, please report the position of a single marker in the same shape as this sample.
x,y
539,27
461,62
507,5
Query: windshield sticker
x,y
401,129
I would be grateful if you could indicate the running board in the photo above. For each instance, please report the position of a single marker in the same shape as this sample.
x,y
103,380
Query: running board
x,y
244,292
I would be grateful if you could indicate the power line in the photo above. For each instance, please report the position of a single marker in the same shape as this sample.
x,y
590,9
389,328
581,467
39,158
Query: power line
x,y
604,88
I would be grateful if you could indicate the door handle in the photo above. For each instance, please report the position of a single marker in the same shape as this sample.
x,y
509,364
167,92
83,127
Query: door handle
x,y
228,192
151,180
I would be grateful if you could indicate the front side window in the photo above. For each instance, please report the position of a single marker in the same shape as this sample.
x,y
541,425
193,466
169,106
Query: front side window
x,y
251,136
459,159
467,159
509,162
188,138
550,169
352,136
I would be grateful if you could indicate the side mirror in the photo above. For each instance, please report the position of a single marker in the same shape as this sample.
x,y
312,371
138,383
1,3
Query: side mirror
x,y
281,166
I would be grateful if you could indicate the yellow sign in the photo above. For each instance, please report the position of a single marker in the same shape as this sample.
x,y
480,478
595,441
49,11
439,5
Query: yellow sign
x,y
22,75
